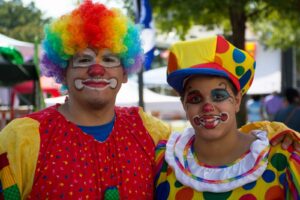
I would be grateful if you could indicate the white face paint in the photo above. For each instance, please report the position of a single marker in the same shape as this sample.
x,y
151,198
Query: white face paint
x,y
211,121
89,57
96,84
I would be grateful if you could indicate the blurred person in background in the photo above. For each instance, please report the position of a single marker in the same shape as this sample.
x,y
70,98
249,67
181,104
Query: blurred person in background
x,y
271,104
290,114
85,148
254,109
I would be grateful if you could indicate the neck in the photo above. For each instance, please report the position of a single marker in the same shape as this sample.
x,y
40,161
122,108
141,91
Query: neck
x,y
86,115
223,151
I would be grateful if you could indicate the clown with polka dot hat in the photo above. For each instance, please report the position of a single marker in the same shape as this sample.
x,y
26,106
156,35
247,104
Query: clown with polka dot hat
x,y
213,159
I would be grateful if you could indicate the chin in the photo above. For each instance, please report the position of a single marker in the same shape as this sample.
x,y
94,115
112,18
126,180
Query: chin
x,y
209,134
97,103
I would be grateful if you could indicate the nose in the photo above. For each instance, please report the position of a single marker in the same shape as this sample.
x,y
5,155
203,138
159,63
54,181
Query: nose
x,y
96,70
208,108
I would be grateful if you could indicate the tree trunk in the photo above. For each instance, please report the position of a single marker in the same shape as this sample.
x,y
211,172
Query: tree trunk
x,y
238,20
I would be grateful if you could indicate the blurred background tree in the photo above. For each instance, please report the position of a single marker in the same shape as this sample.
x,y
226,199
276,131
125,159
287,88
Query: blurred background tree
x,y
20,22
275,22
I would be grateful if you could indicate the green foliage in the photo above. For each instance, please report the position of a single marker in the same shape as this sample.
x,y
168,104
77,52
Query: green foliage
x,y
276,22
278,30
230,16
19,22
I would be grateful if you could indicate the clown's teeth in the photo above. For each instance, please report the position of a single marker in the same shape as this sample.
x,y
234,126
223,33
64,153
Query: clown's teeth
x,y
79,84
96,80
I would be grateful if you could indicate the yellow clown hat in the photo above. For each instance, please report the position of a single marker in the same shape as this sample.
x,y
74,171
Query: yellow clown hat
x,y
210,56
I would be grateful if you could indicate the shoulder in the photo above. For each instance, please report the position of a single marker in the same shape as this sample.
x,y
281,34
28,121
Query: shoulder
x,y
160,162
282,159
19,126
20,131
158,129
24,132
41,115
273,129
148,118
19,146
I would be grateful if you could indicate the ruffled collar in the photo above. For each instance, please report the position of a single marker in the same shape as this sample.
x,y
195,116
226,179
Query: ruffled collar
x,y
248,168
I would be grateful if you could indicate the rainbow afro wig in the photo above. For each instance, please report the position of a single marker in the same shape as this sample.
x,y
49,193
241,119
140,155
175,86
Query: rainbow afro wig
x,y
91,25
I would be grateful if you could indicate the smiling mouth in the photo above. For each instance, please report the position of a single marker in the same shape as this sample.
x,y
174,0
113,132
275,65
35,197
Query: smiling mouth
x,y
96,84
210,121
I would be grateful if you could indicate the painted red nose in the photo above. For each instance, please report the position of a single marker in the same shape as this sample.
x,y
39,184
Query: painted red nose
x,y
208,108
96,70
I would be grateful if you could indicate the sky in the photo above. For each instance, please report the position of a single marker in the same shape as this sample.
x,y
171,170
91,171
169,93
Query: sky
x,y
56,8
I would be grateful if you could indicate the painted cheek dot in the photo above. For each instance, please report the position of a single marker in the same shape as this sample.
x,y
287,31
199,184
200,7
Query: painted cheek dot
x,y
238,56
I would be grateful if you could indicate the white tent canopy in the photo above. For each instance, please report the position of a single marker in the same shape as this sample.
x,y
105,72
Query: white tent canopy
x,y
154,77
26,48
266,84
267,78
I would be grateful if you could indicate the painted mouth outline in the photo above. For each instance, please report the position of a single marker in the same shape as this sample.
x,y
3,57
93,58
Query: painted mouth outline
x,y
80,84
210,121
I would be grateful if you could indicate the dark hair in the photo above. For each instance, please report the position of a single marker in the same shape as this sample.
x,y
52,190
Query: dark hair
x,y
292,95
256,97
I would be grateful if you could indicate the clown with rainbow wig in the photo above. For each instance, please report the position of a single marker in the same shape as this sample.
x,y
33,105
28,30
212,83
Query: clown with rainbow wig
x,y
86,148
214,159
90,26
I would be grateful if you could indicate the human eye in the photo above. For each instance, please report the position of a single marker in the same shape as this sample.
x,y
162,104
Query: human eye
x,y
84,58
219,95
83,61
111,61
193,98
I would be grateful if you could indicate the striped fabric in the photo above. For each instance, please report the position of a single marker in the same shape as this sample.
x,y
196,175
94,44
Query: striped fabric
x,y
9,188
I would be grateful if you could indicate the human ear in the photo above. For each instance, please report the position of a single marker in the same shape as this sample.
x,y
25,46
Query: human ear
x,y
125,77
238,100
184,106
64,74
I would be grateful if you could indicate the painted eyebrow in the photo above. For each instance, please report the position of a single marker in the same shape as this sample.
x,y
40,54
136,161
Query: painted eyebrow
x,y
193,92
219,89
86,52
222,90
110,55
